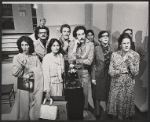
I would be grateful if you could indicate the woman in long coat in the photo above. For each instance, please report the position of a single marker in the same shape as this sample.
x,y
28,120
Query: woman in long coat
x,y
100,77
124,66
26,65
53,68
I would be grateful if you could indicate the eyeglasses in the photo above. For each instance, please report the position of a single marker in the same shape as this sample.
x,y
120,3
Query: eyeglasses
x,y
105,36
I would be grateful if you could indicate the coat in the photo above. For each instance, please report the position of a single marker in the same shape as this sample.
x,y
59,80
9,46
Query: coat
x,y
53,68
100,74
25,98
39,48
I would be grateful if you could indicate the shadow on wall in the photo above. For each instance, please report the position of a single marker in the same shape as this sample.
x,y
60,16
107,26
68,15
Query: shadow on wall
x,y
115,37
140,91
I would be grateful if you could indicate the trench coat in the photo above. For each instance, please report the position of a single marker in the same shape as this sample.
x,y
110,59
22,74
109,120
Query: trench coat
x,y
99,73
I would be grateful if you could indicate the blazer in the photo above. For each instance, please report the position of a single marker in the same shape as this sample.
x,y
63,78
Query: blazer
x,y
39,48
87,56
98,65
52,68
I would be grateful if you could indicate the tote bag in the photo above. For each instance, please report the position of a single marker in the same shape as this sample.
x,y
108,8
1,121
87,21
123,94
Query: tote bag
x,y
48,112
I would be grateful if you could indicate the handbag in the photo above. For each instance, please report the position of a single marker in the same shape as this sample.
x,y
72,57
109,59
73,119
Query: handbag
x,y
48,112
25,84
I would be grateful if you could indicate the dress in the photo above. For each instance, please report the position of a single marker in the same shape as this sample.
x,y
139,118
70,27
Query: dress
x,y
29,103
53,68
121,95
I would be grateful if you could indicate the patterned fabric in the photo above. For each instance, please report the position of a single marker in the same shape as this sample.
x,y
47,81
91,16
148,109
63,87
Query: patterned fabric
x,y
85,55
64,43
107,55
121,95
86,52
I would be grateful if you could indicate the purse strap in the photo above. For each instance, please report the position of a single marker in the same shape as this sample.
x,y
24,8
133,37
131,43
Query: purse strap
x,y
51,101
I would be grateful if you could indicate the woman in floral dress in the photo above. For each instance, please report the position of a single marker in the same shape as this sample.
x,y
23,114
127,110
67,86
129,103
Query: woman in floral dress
x,y
123,68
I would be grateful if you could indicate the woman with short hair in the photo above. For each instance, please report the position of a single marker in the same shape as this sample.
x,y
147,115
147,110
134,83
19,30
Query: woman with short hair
x,y
124,66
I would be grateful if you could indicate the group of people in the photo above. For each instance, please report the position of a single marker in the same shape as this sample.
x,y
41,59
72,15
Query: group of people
x,y
109,73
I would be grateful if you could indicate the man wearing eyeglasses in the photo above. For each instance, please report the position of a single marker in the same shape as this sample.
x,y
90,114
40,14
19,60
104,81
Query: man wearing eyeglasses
x,y
99,73
40,45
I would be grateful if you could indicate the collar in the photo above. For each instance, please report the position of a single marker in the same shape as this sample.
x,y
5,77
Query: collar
x,y
61,38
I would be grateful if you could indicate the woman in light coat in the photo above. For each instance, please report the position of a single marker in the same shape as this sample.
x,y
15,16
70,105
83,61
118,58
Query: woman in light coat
x,y
26,65
53,68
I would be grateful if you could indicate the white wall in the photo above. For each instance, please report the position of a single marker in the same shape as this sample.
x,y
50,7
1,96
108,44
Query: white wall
x,y
130,15
58,14
100,15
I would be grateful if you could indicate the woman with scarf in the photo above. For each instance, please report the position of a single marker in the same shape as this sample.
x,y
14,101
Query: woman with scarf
x,y
26,66
99,73
53,68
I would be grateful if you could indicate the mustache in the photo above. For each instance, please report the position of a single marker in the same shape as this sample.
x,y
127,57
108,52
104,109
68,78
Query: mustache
x,y
81,39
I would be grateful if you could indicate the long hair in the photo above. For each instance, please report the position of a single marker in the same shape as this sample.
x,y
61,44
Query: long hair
x,y
123,36
51,43
78,28
37,32
27,40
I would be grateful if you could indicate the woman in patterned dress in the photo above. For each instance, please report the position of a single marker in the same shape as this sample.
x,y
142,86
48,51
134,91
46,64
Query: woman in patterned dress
x,y
123,68
26,65
53,68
